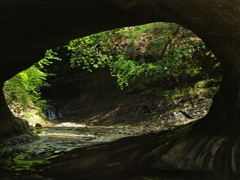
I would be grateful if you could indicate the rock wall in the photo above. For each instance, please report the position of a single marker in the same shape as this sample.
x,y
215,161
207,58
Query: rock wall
x,y
73,89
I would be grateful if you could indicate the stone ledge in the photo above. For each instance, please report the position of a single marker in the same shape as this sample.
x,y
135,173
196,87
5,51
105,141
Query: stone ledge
x,y
13,127
19,139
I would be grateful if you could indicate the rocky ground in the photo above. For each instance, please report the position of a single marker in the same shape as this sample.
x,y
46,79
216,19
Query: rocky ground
x,y
134,115
95,99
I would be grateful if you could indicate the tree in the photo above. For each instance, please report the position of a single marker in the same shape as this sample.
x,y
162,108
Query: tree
x,y
25,34
23,90
164,51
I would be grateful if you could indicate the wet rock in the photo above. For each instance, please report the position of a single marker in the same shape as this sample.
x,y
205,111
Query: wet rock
x,y
139,130
88,138
186,115
24,138
92,124
32,125
71,124
13,126
75,142
38,125
142,109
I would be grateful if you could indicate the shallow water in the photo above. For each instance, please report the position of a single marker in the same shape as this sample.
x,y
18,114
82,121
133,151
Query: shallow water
x,y
52,142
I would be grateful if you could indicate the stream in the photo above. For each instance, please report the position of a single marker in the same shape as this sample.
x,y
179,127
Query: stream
x,y
52,142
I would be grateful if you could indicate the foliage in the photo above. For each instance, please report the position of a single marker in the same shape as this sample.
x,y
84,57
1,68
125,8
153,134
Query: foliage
x,y
47,60
166,51
89,52
23,90
158,52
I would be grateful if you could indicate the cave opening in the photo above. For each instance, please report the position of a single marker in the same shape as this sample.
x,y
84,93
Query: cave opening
x,y
211,144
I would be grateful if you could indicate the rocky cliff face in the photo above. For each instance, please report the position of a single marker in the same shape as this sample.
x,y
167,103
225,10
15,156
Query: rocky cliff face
x,y
95,98
74,90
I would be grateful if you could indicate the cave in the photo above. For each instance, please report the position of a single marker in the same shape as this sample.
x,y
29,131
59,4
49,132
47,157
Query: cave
x,y
28,28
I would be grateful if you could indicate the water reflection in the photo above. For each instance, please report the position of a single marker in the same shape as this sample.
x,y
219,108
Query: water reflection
x,y
52,142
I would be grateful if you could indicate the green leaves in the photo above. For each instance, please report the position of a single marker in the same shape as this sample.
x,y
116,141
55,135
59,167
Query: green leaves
x,y
88,52
49,55
156,49
24,88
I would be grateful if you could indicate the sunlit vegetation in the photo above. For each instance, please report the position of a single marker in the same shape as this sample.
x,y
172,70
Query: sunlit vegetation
x,y
22,91
165,54
157,52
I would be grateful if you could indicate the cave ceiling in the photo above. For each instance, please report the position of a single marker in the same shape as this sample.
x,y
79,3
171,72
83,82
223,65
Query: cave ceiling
x,y
29,27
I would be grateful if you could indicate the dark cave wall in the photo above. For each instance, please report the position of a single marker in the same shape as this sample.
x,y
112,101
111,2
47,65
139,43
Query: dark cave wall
x,y
29,27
